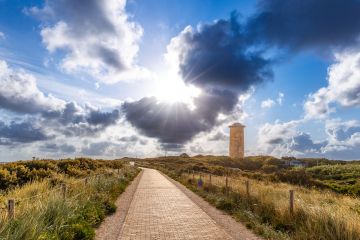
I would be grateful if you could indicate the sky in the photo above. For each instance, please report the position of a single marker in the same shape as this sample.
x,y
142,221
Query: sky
x,y
143,78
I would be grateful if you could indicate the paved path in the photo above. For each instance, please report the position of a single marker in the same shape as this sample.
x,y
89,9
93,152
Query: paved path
x,y
160,210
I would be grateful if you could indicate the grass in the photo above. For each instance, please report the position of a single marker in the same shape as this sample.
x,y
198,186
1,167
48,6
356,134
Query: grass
x,y
43,213
317,215
320,213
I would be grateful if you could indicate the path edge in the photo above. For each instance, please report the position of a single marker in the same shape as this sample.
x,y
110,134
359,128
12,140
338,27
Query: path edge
x,y
234,228
110,228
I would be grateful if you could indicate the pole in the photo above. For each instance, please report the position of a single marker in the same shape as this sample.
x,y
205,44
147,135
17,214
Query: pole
x,y
247,185
226,185
11,209
63,190
291,203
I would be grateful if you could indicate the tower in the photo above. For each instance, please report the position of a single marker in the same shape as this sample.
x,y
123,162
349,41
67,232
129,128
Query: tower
x,y
236,145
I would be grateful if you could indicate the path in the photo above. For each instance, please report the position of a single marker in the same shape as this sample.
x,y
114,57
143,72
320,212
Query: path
x,y
160,210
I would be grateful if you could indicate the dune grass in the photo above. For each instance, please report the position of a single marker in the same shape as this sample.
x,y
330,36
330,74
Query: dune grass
x,y
42,212
318,214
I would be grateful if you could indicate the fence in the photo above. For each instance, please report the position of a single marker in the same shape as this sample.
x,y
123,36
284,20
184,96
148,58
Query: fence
x,y
66,191
229,184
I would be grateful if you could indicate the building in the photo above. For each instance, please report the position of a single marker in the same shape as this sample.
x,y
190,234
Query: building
x,y
236,145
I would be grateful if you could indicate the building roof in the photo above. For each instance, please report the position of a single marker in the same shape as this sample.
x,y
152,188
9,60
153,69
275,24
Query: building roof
x,y
237,125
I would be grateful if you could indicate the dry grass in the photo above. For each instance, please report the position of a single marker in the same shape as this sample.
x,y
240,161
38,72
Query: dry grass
x,y
318,214
42,212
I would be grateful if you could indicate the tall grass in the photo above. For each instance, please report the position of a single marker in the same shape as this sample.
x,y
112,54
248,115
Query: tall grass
x,y
42,212
318,214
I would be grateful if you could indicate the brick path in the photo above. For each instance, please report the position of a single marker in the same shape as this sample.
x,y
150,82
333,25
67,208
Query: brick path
x,y
159,210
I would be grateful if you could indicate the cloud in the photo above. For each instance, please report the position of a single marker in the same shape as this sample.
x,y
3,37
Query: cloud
x,y
280,98
268,103
103,118
97,37
21,132
216,55
343,87
303,143
218,136
340,132
133,139
2,36
297,25
283,138
19,93
344,139
104,148
215,58
175,124
57,148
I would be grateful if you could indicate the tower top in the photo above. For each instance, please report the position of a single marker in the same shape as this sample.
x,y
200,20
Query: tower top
x,y
236,125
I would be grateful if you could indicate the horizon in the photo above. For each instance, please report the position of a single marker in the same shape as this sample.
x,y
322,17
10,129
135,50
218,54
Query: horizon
x,y
142,78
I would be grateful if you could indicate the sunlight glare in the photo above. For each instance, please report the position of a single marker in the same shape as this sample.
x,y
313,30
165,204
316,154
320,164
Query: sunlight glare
x,y
172,89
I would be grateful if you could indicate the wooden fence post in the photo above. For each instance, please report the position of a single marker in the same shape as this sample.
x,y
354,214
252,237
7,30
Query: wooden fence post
x,y
193,176
86,181
118,171
11,209
63,190
291,203
210,178
247,185
226,185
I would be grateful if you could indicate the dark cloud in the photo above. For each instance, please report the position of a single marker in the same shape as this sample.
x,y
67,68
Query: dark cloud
x,y
217,56
105,148
79,13
219,136
342,131
298,24
175,124
103,118
133,139
22,132
56,148
170,123
96,149
302,142
214,57
172,147
275,140
19,93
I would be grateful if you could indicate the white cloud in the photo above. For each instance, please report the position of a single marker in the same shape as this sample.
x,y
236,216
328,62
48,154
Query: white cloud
x,y
343,87
2,35
280,98
284,139
97,38
20,93
344,139
268,103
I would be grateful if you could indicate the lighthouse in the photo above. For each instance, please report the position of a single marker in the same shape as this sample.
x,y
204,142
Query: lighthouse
x,y
236,145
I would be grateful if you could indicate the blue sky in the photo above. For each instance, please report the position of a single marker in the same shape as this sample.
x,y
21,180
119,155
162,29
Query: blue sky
x,y
144,77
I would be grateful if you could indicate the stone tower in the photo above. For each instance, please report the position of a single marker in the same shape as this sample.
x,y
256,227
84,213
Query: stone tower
x,y
236,145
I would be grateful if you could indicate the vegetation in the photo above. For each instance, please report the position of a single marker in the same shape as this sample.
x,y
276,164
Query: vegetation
x,y
16,174
326,206
45,211
338,176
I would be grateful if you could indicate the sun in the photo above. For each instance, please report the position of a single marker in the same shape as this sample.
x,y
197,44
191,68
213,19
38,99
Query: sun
x,y
172,89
